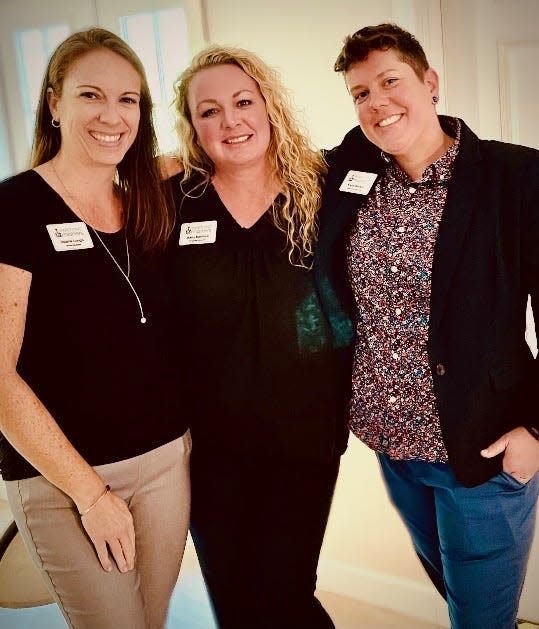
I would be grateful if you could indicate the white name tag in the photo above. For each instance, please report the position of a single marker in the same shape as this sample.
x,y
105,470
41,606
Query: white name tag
x,y
68,236
358,182
200,233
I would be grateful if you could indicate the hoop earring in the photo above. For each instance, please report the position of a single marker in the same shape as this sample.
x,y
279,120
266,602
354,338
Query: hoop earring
x,y
55,123
435,99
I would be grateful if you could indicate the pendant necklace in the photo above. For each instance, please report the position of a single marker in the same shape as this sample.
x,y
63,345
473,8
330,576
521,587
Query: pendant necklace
x,y
126,275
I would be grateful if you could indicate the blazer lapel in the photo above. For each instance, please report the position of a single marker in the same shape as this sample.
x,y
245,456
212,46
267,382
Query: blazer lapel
x,y
462,198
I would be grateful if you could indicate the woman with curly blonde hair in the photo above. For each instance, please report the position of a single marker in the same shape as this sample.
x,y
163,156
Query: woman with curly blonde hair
x,y
293,164
267,380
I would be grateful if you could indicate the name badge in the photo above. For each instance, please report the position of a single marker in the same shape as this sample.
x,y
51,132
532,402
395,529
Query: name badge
x,y
199,233
358,182
70,236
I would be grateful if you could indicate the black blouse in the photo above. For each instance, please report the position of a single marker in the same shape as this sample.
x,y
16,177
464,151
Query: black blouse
x,y
109,381
264,377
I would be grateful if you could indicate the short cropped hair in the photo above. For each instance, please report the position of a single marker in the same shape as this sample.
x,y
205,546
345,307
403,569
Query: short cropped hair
x,y
382,37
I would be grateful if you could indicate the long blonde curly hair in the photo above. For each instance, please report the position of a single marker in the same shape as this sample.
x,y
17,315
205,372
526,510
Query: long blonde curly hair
x,y
295,163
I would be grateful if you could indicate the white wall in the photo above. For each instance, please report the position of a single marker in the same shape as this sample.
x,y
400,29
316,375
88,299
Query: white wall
x,y
301,40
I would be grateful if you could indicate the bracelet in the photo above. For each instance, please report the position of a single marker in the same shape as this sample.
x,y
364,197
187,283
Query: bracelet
x,y
533,431
98,499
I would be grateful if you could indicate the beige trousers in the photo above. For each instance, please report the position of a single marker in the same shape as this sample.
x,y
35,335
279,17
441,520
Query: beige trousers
x,y
156,487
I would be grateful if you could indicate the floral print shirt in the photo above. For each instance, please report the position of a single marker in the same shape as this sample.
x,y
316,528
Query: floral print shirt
x,y
390,253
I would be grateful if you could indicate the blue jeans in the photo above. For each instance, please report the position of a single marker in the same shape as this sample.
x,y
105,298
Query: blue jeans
x,y
473,542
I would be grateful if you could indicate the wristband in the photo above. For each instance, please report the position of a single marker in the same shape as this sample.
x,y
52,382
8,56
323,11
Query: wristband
x,y
98,499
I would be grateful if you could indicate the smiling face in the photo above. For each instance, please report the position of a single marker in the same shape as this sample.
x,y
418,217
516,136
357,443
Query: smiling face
x,y
394,106
98,109
229,117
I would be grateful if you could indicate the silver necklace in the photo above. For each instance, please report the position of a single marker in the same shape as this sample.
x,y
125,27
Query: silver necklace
x,y
126,275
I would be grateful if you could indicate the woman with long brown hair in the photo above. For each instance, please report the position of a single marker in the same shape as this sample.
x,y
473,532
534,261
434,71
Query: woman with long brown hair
x,y
95,449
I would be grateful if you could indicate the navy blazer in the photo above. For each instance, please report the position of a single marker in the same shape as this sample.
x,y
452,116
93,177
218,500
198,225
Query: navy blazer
x,y
486,262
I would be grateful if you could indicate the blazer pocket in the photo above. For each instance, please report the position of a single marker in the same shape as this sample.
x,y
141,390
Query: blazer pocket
x,y
504,376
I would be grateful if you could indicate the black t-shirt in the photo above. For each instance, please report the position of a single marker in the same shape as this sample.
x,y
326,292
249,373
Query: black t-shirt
x,y
264,376
109,381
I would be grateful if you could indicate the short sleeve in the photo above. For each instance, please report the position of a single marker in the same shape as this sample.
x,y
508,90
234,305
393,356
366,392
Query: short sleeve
x,y
17,233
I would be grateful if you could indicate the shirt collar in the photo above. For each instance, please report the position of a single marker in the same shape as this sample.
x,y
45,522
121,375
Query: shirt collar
x,y
439,171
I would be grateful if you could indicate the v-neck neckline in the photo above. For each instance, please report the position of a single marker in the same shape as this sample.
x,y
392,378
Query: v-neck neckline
x,y
254,227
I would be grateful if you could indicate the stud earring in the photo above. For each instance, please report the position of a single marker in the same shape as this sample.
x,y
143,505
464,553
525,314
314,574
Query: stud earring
x,y
435,99
55,123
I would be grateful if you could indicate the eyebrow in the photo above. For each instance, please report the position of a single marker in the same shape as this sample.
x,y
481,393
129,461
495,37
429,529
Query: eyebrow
x,y
235,95
96,87
380,74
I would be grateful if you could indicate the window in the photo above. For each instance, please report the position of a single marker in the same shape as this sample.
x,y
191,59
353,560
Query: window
x,y
164,33
34,48
160,40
